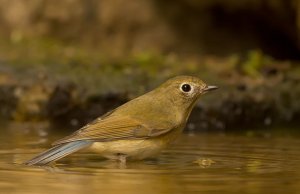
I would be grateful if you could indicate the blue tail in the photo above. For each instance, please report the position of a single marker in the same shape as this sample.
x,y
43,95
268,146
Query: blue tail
x,y
57,152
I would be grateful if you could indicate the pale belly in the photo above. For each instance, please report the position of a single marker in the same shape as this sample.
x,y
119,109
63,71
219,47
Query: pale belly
x,y
135,149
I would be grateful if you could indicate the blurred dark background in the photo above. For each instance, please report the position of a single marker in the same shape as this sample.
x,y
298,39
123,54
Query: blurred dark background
x,y
186,27
71,60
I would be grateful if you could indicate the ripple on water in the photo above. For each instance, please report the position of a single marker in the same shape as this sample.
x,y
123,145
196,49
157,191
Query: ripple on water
x,y
231,164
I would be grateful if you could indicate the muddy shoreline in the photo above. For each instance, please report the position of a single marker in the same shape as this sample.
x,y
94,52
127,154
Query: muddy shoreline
x,y
241,102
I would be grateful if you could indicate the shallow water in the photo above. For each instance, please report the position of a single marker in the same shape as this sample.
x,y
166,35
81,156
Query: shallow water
x,y
196,163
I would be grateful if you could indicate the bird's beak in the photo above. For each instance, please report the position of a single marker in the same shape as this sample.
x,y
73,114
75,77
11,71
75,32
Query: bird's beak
x,y
209,88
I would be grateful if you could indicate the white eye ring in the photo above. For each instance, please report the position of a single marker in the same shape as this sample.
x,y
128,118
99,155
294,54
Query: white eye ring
x,y
186,88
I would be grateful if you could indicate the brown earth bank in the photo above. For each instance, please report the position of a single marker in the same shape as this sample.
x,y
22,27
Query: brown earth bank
x,y
256,92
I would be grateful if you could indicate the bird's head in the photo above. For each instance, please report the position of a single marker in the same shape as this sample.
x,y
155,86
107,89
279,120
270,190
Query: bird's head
x,y
184,91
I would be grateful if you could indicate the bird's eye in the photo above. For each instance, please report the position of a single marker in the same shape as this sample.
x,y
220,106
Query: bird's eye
x,y
186,87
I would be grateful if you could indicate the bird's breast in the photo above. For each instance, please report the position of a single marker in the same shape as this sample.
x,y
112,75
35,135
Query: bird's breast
x,y
135,149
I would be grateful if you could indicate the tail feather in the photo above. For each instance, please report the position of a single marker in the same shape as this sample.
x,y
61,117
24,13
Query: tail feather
x,y
57,153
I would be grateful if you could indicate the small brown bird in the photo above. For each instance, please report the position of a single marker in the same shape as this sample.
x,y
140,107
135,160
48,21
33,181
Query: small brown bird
x,y
138,129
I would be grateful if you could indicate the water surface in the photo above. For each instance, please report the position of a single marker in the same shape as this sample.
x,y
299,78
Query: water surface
x,y
196,163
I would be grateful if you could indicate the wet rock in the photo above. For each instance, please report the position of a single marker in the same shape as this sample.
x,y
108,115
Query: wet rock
x,y
61,100
8,101
68,109
31,102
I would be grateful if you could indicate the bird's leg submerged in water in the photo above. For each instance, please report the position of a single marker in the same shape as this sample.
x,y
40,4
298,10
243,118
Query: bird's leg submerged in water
x,y
122,158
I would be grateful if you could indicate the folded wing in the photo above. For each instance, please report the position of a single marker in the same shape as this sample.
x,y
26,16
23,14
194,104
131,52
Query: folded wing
x,y
113,128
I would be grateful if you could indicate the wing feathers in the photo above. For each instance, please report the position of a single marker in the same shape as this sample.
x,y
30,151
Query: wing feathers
x,y
111,128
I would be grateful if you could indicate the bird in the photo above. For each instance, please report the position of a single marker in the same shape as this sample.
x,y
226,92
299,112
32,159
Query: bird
x,y
136,130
